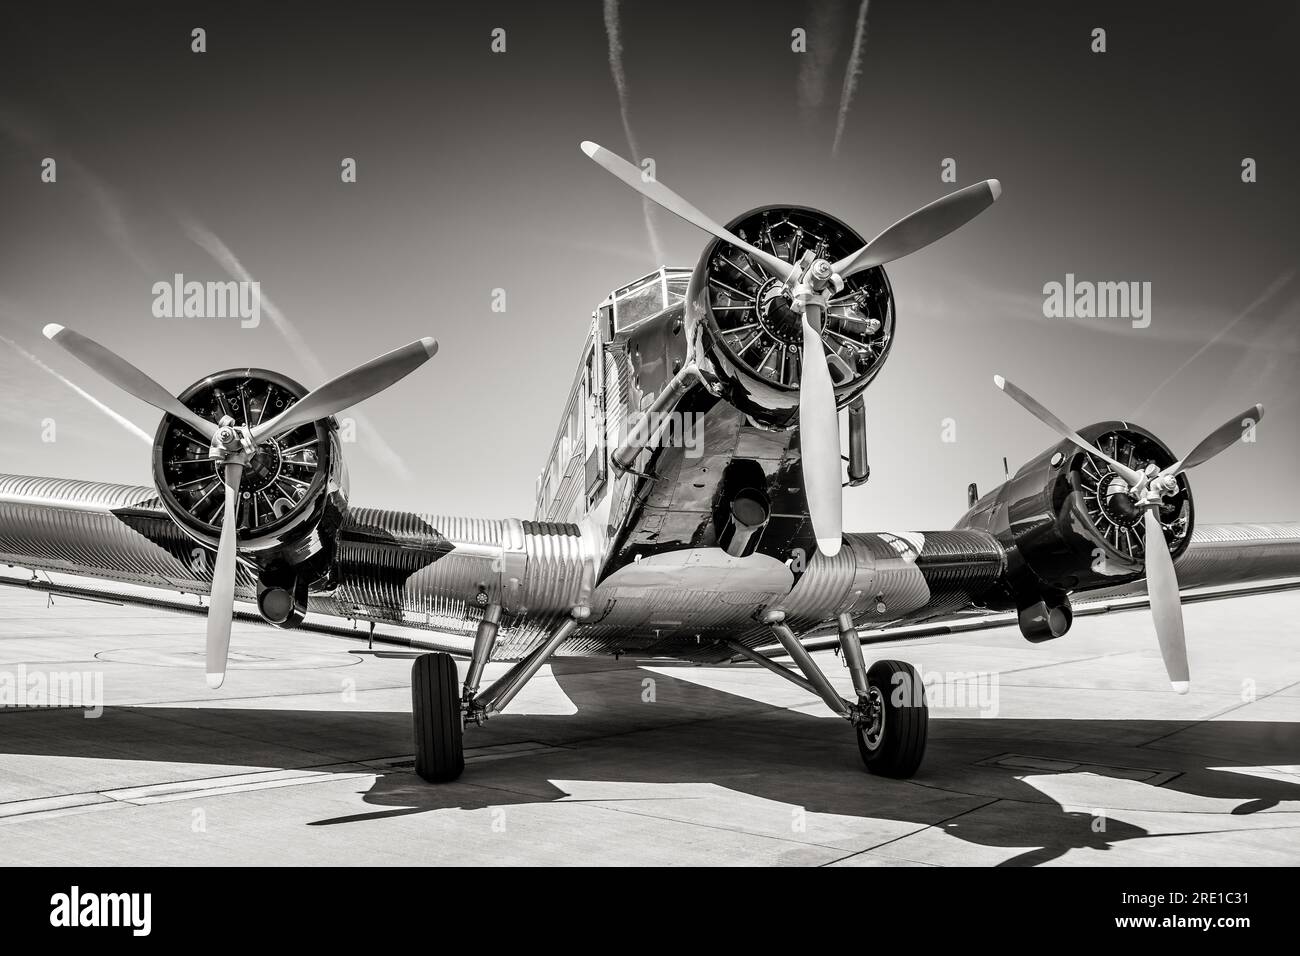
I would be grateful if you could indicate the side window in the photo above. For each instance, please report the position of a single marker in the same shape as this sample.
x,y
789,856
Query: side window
x,y
593,432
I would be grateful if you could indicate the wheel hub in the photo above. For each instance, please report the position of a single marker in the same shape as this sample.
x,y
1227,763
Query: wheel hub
x,y
871,722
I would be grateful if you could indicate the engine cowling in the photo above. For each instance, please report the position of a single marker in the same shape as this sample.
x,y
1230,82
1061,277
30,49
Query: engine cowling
x,y
749,340
1067,524
293,491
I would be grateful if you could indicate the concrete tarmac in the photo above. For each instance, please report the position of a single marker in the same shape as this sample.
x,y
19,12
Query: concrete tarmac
x,y
1069,753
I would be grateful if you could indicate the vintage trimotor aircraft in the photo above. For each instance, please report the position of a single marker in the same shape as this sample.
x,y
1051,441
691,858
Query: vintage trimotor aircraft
x,y
644,542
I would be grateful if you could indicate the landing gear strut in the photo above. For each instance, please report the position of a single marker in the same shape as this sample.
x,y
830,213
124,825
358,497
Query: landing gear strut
x,y
440,706
890,718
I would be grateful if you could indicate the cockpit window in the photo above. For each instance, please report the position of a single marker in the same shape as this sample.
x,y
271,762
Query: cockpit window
x,y
648,296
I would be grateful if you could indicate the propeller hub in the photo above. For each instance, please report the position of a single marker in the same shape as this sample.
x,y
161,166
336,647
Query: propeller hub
x,y
231,443
819,275
1165,485
263,467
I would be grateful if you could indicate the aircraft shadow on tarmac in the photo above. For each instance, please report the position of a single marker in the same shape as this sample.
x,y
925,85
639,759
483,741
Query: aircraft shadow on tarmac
x,y
706,736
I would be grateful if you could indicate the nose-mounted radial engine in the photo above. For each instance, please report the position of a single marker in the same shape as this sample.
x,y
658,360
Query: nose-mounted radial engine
x,y
1107,505
247,463
789,317
750,326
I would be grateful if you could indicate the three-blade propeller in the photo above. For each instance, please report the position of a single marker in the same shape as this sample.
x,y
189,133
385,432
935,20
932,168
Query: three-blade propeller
x,y
233,445
1147,489
807,285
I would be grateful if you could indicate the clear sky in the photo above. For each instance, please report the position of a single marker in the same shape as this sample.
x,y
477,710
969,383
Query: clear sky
x,y
1122,166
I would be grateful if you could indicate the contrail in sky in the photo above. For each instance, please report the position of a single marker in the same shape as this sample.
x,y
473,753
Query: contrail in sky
x,y
109,212
121,420
1274,287
620,84
212,244
851,74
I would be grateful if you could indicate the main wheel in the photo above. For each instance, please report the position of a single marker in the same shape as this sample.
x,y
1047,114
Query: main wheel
x,y
892,739
435,710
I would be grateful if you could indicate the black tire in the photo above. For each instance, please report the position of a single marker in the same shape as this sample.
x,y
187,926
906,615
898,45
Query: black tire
x,y
897,746
435,711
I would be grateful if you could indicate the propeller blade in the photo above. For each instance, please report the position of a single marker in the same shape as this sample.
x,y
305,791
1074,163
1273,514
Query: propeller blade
x,y
349,389
221,606
1028,402
126,376
819,440
1221,439
922,227
1166,607
660,194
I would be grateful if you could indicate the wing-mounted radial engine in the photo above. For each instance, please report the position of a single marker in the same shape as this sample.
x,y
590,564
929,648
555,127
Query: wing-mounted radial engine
x,y
292,495
789,316
247,463
1105,506
1068,523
